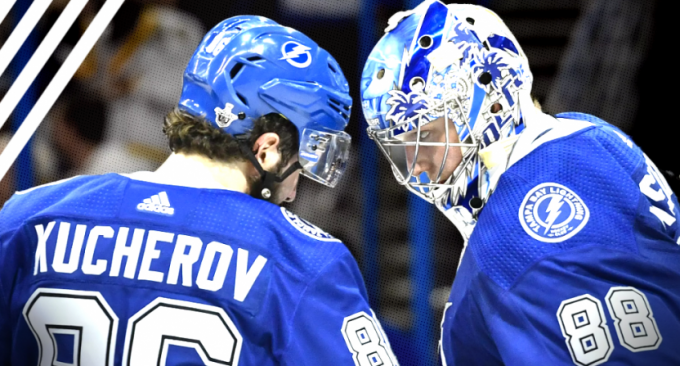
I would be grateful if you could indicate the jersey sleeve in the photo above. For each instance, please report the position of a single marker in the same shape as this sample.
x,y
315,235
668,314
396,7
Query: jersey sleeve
x,y
7,273
585,307
5,332
333,323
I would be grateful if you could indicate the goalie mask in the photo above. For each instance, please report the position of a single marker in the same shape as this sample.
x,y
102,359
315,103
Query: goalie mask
x,y
443,84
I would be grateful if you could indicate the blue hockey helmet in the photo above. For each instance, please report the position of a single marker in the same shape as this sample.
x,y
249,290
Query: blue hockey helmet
x,y
250,66
461,67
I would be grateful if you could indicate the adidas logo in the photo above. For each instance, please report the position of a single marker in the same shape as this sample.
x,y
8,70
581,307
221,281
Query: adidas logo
x,y
158,203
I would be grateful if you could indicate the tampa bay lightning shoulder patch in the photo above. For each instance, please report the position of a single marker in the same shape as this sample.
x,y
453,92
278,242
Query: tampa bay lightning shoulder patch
x,y
306,227
552,213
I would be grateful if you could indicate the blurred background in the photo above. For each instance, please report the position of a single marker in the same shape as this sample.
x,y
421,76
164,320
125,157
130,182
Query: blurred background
x,y
604,57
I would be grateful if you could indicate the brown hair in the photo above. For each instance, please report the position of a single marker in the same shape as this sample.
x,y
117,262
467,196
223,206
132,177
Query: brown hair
x,y
190,134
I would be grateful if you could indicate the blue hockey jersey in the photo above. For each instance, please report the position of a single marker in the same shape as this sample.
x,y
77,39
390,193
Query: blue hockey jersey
x,y
109,270
574,259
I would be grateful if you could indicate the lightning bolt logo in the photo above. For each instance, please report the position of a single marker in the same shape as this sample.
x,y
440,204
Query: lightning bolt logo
x,y
553,211
293,55
552,206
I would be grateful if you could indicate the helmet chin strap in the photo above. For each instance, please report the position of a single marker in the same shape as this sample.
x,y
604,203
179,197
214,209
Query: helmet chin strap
x,y
265,186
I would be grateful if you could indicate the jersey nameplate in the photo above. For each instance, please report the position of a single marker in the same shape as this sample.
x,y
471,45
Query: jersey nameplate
x,y
165,257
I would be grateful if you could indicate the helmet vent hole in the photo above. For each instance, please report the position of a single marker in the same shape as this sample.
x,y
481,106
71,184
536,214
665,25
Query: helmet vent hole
x,y
470,20
242,98
476,203
417,84
337,109
338,104
254,58
381,73
495,108
425,42
330,66
485,78
235,70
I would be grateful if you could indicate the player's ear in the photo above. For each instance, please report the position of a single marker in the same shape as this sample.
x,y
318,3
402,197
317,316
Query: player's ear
x,y
266,150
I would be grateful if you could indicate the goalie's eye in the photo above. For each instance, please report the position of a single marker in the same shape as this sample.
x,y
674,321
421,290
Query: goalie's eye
x,y
424,134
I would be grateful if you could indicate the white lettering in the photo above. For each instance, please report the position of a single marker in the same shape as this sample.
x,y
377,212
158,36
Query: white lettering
x,y
215,259
95,233
664,193
667,219
40,252
245,278
646,189
60,251
541,192
184,262
151,253
222,266
131,252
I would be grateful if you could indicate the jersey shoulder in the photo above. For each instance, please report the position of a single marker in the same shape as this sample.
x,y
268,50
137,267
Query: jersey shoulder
x,y
614,142
253,223
306,246
572,190
85,195
293,242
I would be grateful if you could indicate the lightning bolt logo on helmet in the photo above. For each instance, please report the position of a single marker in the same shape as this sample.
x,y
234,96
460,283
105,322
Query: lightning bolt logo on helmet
x,y
552,213
296,54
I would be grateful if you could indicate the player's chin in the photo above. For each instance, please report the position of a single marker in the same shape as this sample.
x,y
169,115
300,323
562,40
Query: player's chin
x,y
444,178
434,176
447,172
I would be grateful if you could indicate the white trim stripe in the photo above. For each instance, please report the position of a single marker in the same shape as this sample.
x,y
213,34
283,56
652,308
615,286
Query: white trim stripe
x,y
21,32
39,58
57,85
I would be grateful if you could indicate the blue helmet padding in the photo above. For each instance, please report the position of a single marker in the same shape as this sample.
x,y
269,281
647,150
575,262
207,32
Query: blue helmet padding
x,y
250,63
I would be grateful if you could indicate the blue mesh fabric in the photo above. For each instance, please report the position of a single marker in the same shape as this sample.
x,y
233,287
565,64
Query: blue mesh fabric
x,y
307,284
31,202
232,216
262,224
594,163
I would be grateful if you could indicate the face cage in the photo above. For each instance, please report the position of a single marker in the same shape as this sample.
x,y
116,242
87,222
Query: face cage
x,y
431,192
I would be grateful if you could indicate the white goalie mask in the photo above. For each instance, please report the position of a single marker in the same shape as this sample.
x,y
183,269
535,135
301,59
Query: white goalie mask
x,y
443,84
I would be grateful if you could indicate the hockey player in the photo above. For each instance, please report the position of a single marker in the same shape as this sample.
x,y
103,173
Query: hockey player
x,y
572,236
190,265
